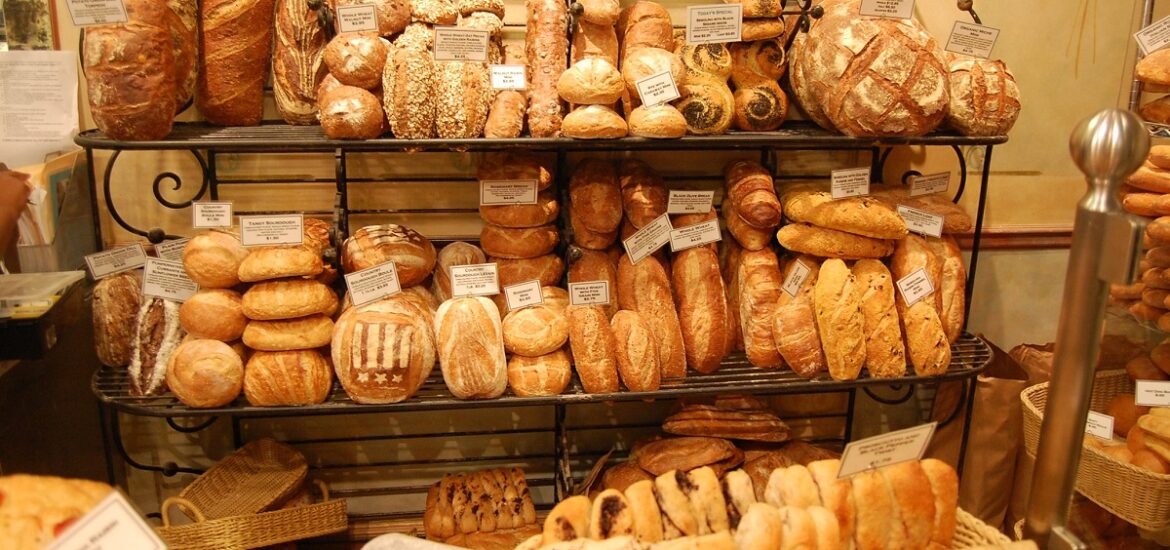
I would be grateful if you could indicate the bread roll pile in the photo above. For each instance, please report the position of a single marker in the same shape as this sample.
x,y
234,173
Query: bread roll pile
x,y
486,501
647,49
1154,72
349,104
1147,193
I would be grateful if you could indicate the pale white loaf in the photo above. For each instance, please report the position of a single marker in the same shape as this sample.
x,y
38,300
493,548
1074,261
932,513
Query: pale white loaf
x,y
471,348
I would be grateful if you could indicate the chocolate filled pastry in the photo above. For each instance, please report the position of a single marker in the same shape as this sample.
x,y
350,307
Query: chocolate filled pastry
x,y
670,489
611,516
706,496
569,520
644,506
738,494
156,335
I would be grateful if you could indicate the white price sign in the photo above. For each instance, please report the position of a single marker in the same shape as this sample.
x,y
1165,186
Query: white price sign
x,y
689,202
104,264
168,280
972,39
112,524
205,215
521,295
272,230
714,24
461,44
884,450
893,9
359,18
850,182
474,280
87,13
921,222
930,184
915,286
795,279
657,89
698,234
1099,425
171,250
372,284
498,192
509,77
649,239
589,293
1154,37
1152,393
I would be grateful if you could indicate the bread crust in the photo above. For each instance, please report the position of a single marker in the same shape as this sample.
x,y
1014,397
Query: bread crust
x,y
116,301
594,349
644,287
701,300
287,378
831,243
544,375
759,283
885,352
470,342
637,351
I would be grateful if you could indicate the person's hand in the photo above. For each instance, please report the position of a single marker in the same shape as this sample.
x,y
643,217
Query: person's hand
x,y
14,191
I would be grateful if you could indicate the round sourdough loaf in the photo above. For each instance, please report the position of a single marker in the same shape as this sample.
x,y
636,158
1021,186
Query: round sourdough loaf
x,y
594,195
413,254
471,348
309,332
530,242
383,352
535,331
213,259
456,253
205,373
547,374
288,299
349,112
116,301
275,262
985,100
215,314
547,269
393,15
287,378
516,165
662,121
647,62
544,212
594,122
591,81
357,58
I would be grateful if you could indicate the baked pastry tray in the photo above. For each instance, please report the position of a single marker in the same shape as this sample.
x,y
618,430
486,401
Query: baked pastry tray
x,y
970,356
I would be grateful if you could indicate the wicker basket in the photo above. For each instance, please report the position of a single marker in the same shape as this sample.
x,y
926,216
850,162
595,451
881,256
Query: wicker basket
x,y
970,532
251,530
248,481
1134,494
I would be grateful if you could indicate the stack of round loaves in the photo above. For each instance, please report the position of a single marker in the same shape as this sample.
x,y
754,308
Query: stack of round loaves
x,y
346,99
485,15
1154,72
648,50
760,104
1147,193
592,86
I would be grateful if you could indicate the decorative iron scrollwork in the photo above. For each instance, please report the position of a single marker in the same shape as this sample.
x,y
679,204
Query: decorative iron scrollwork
x,y
155,235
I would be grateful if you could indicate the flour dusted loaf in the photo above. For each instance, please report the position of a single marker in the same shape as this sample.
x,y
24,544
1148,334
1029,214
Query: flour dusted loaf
x,y
885,353
116,300
594,122
298,64
212,259
463,97
985,100
413,254
636,351
456,253
213,313
409,77
516,243
357,58
595,195
349,112
794,325
594,348
287,378
471,348
384,351
288,299
758,282
865,216
700,296
205,374
309,332
393,15
275,262
591,81
645,287
234,57
594,40
535,331
644,195
547,374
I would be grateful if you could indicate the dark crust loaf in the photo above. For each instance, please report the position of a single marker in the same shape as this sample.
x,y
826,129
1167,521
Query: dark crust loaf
x,y
547,48
116,301
157,334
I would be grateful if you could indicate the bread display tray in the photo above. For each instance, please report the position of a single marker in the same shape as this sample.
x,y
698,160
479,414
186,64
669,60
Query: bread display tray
x,y
1135,494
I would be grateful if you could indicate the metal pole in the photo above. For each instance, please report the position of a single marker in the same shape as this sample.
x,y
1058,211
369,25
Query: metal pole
x,y
1135,88
1106,147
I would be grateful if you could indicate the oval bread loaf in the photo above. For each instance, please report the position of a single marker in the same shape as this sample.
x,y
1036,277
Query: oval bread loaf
x,y
702,307
594,349
645,287
544,375
471,348
637,351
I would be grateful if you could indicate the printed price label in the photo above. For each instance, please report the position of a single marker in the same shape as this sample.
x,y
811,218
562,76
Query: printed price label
x,y
372,284
930,184
714,24
884,450
461,44
695,235
1152,393
689,202
521,295
113,523
497,192
657,89
795,278
921,222
206,215
272,230
87,13
1099,425
591,293
893,9
972,39
850,182
168,280
474,280
915,286
104,264
359,18
648,239
1154,37
509,77
171,250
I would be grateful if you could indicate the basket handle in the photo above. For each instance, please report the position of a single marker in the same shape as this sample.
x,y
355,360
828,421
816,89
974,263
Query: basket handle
x,y
323,488
185,506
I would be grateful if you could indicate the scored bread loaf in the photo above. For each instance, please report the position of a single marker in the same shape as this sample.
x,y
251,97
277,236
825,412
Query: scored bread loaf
x,y
702,307
516,165
349,112
594,265
535,331
116,301
591,81
885,353
288,299
463,95
644,194
456,253
645,287
794,325
985,100
636,351
413,254
526,242
183,21
547,374
357,58
234,60
393,15
595,196
471,348
837,298
546,45
758,279
212,259
547,269
594,122
205,374
953,285
646,62
926,341
661,121
831,243
408,81
383,351
275,262
298,64
863,216
594,349
592,240
309,332
749,187
130,73
287,378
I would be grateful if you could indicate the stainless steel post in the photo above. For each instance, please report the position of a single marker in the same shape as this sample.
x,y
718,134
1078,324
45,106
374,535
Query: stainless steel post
x,y
1106,147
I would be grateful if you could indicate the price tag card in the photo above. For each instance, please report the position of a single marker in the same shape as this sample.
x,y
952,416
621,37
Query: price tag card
x,y
689,202
930,184
915,286
86,13
168,280
795,278
104,264
372,284
1152,393
1154,37
657,89
921,222
171,250
1099,425
521,295
509,77
649,239
497,192
359,18
850,182
205,215
474,280
272,230
893,9
714,24
883,450
113,523
972,39
695,235
594,293
461,44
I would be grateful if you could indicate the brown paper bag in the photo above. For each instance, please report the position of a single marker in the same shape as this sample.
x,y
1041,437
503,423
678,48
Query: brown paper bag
x,y
995,436
1036,361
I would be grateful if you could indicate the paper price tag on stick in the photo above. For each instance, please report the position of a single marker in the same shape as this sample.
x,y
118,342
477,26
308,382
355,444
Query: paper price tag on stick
x,y
589,293
272,230
171,250
474,280
1099,425
1154,37
522,295
796,278
689,202
915,286
87,13
1152,393
886,449
461,44
972,39
110,262
373,284
649,239
359,18
930,184
168,280
113,523
509,77
206,215
714,24
657,89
